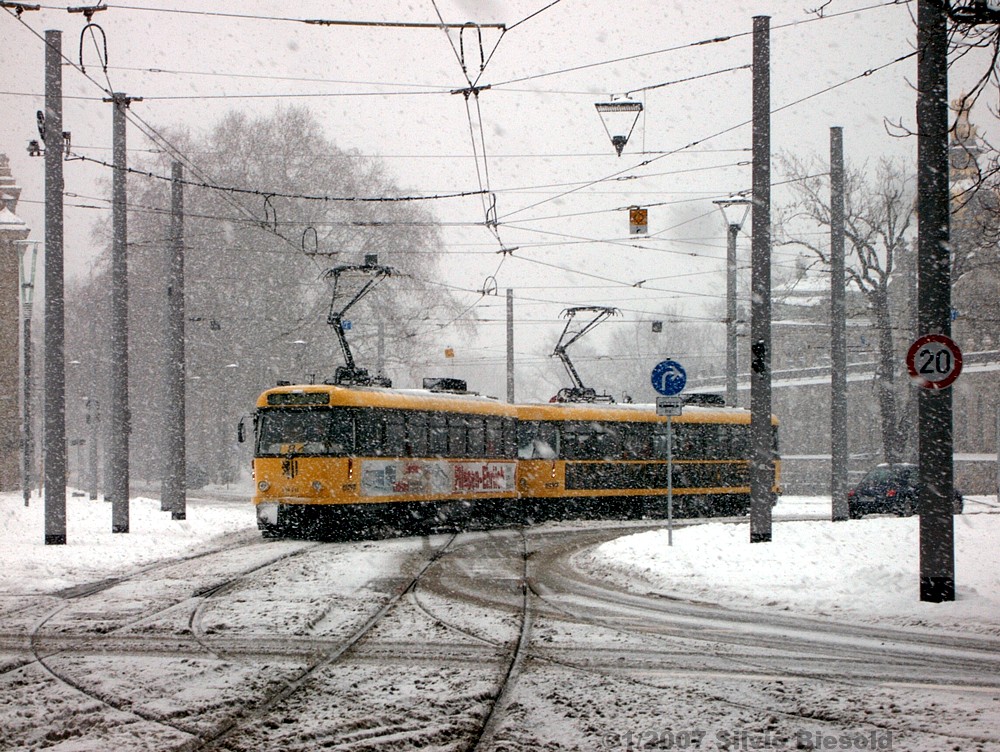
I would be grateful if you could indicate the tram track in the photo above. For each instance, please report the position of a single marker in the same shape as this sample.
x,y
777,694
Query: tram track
x,y
473,643
240,722
104,640
61,652
786,662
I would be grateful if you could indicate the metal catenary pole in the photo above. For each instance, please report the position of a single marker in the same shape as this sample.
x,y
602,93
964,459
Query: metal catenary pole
x,y
94,423
27,439
174,498
838,332
55,323
670,481
762,456
935,442
118,464
510,346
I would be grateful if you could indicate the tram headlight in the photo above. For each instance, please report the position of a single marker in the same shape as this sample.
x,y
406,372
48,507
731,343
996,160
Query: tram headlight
x,y
317,486
263,485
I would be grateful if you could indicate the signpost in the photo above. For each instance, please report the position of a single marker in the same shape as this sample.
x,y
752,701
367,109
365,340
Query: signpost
x,y
934,361
668,379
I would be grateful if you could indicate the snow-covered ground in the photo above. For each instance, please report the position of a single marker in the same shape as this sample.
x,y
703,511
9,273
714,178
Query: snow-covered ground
x,y
860,570
92,552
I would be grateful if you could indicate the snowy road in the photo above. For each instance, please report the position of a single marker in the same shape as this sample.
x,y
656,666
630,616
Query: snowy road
x,y
490,641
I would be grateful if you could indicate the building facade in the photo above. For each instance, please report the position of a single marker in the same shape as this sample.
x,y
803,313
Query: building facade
x,y
13,231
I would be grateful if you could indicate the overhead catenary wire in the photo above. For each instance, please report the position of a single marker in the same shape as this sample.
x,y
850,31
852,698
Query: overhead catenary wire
x,y
261,193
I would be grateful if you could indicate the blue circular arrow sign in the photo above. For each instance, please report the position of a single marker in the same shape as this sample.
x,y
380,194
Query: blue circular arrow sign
x,y
668,378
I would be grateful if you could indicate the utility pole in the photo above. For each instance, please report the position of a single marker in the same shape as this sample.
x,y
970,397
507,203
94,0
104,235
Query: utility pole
x,y
55,323
93,423
174,498
838,333
761,434
935,442
510,346
118,464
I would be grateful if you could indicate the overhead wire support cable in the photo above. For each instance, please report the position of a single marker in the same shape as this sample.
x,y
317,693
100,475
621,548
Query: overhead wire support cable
x,y
399,24
532,15
287,19
18,8
715,135
274,194
699,43
688,78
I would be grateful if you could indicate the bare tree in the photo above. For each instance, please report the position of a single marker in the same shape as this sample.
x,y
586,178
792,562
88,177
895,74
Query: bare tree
x,y
270,205
879,224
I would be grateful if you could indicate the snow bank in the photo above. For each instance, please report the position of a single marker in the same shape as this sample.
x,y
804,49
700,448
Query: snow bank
x,y
92,552
865,570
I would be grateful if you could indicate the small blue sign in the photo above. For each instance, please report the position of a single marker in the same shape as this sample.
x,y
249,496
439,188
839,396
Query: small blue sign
x,y
668,378
346,324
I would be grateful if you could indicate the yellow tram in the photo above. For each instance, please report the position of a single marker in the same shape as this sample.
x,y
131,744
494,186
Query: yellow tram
x,y
336,460
347,461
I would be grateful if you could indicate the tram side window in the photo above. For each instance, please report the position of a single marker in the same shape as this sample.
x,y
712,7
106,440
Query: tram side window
x,y
739,442
607,442
694,441
591,440
637,441
373,438
416,435
683,441
574,438
457,431
340,439
722,442
438,435
509,447
476,446
395,435
660,438
537,441
494,437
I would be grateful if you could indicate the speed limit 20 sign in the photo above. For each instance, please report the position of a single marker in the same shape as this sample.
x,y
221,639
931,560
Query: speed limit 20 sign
x,y
934,361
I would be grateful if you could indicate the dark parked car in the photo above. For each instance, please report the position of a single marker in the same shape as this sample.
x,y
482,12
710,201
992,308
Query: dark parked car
x,y
890,489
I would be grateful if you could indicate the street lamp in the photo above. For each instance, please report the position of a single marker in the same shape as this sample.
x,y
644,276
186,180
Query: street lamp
x,y
27,273
735,212
300,355
622,117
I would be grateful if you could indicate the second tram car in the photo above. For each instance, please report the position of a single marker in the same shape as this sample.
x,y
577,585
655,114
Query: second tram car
x,y
610,460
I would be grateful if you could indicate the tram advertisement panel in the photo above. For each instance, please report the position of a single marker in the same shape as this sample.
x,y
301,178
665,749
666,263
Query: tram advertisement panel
x,y
420,477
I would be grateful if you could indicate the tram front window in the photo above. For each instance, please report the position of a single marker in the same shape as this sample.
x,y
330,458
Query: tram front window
x,y
304,432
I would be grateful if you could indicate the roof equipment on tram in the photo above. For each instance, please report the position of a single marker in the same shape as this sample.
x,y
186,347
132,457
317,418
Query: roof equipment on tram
x,y
349,374
571,333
